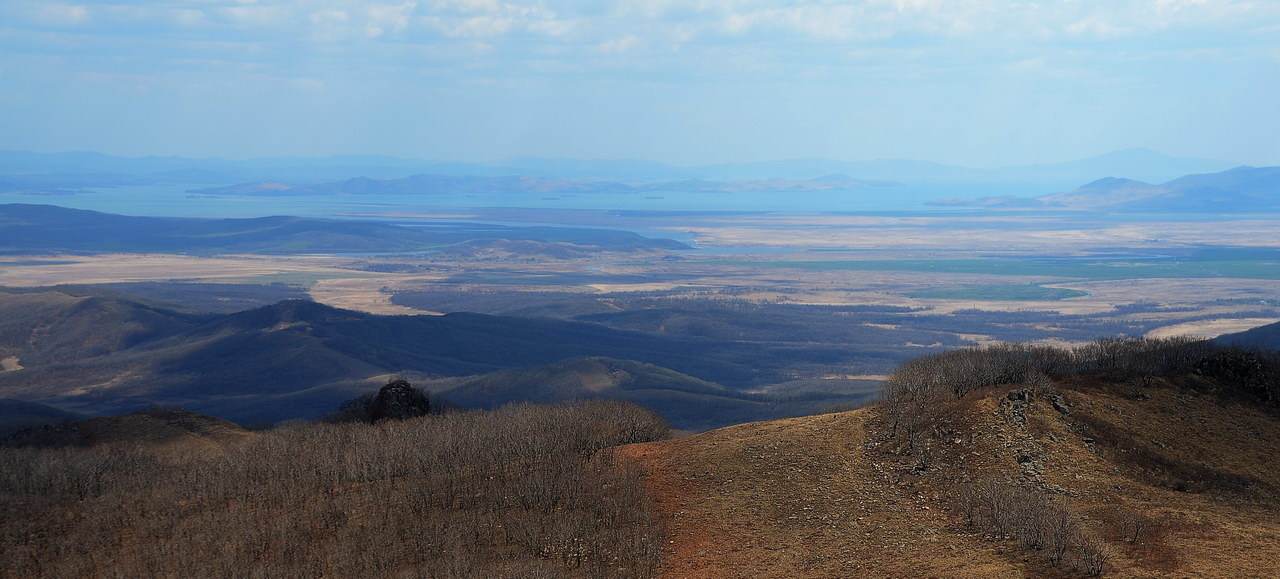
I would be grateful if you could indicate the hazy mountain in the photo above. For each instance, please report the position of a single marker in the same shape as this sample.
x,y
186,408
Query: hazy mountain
x,y
425,185
59,171
428,185
1242,189
1135,164
27,228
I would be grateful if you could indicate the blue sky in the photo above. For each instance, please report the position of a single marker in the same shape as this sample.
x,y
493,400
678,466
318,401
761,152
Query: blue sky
x,y
975,82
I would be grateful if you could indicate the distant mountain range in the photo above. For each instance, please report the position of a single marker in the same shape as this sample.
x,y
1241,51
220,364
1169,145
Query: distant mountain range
x,y
47,228
1242,189
483,185
36,173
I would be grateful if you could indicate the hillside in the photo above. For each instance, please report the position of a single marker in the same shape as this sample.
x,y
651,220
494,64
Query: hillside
x,y
528,491
299,359
683,400
178,429
17,415
48,228
1159,477
1265,337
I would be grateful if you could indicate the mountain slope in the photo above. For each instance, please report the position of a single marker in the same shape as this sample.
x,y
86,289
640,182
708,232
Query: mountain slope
x,y
828,496
1265,337
16,415
177,428
683,400
1242,189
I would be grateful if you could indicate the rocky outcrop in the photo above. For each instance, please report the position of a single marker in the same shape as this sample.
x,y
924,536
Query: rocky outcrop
x,y
398,400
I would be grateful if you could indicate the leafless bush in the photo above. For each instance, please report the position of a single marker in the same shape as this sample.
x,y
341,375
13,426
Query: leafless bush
x,y
523,491
1029,517
1092,557
1136,528
915,393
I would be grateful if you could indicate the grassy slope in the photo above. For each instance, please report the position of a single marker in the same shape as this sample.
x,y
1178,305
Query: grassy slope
x,y
820,497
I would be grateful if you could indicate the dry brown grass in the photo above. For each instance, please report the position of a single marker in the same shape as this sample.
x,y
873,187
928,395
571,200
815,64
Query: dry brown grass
x,y
1149,477
801,497
520,492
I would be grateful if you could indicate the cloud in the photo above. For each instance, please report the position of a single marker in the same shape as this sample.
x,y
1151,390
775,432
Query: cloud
x,y
490,18
384,18
618,45
711,34
62,14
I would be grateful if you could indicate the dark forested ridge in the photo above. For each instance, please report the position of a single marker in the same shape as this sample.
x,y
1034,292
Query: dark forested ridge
x,y
297,358
1266,337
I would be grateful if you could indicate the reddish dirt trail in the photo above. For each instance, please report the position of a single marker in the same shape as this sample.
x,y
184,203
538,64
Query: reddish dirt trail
x,y
799,498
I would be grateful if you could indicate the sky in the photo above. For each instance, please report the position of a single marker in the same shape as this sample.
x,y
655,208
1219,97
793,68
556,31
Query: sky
x,y
975,82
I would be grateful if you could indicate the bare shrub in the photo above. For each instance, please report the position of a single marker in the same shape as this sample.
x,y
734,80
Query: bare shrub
x,y
1033,520
1136,528
529,491
914,395
1092,557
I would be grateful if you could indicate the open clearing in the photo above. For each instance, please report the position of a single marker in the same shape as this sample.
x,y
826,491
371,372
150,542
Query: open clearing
x,y
129,267
363,294
1210,328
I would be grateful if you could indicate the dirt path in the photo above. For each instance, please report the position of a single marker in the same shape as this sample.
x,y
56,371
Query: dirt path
x,y
798,498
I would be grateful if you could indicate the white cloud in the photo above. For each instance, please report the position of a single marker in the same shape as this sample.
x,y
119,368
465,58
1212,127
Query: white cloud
x,y
255,16
63,14
491,18
384,18
618,45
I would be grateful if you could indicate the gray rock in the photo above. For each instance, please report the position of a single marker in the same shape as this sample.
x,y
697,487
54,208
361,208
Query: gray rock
x,y
1059,404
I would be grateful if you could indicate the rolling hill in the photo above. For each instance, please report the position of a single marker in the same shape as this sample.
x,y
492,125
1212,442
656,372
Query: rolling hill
x,y
48,228
300,359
